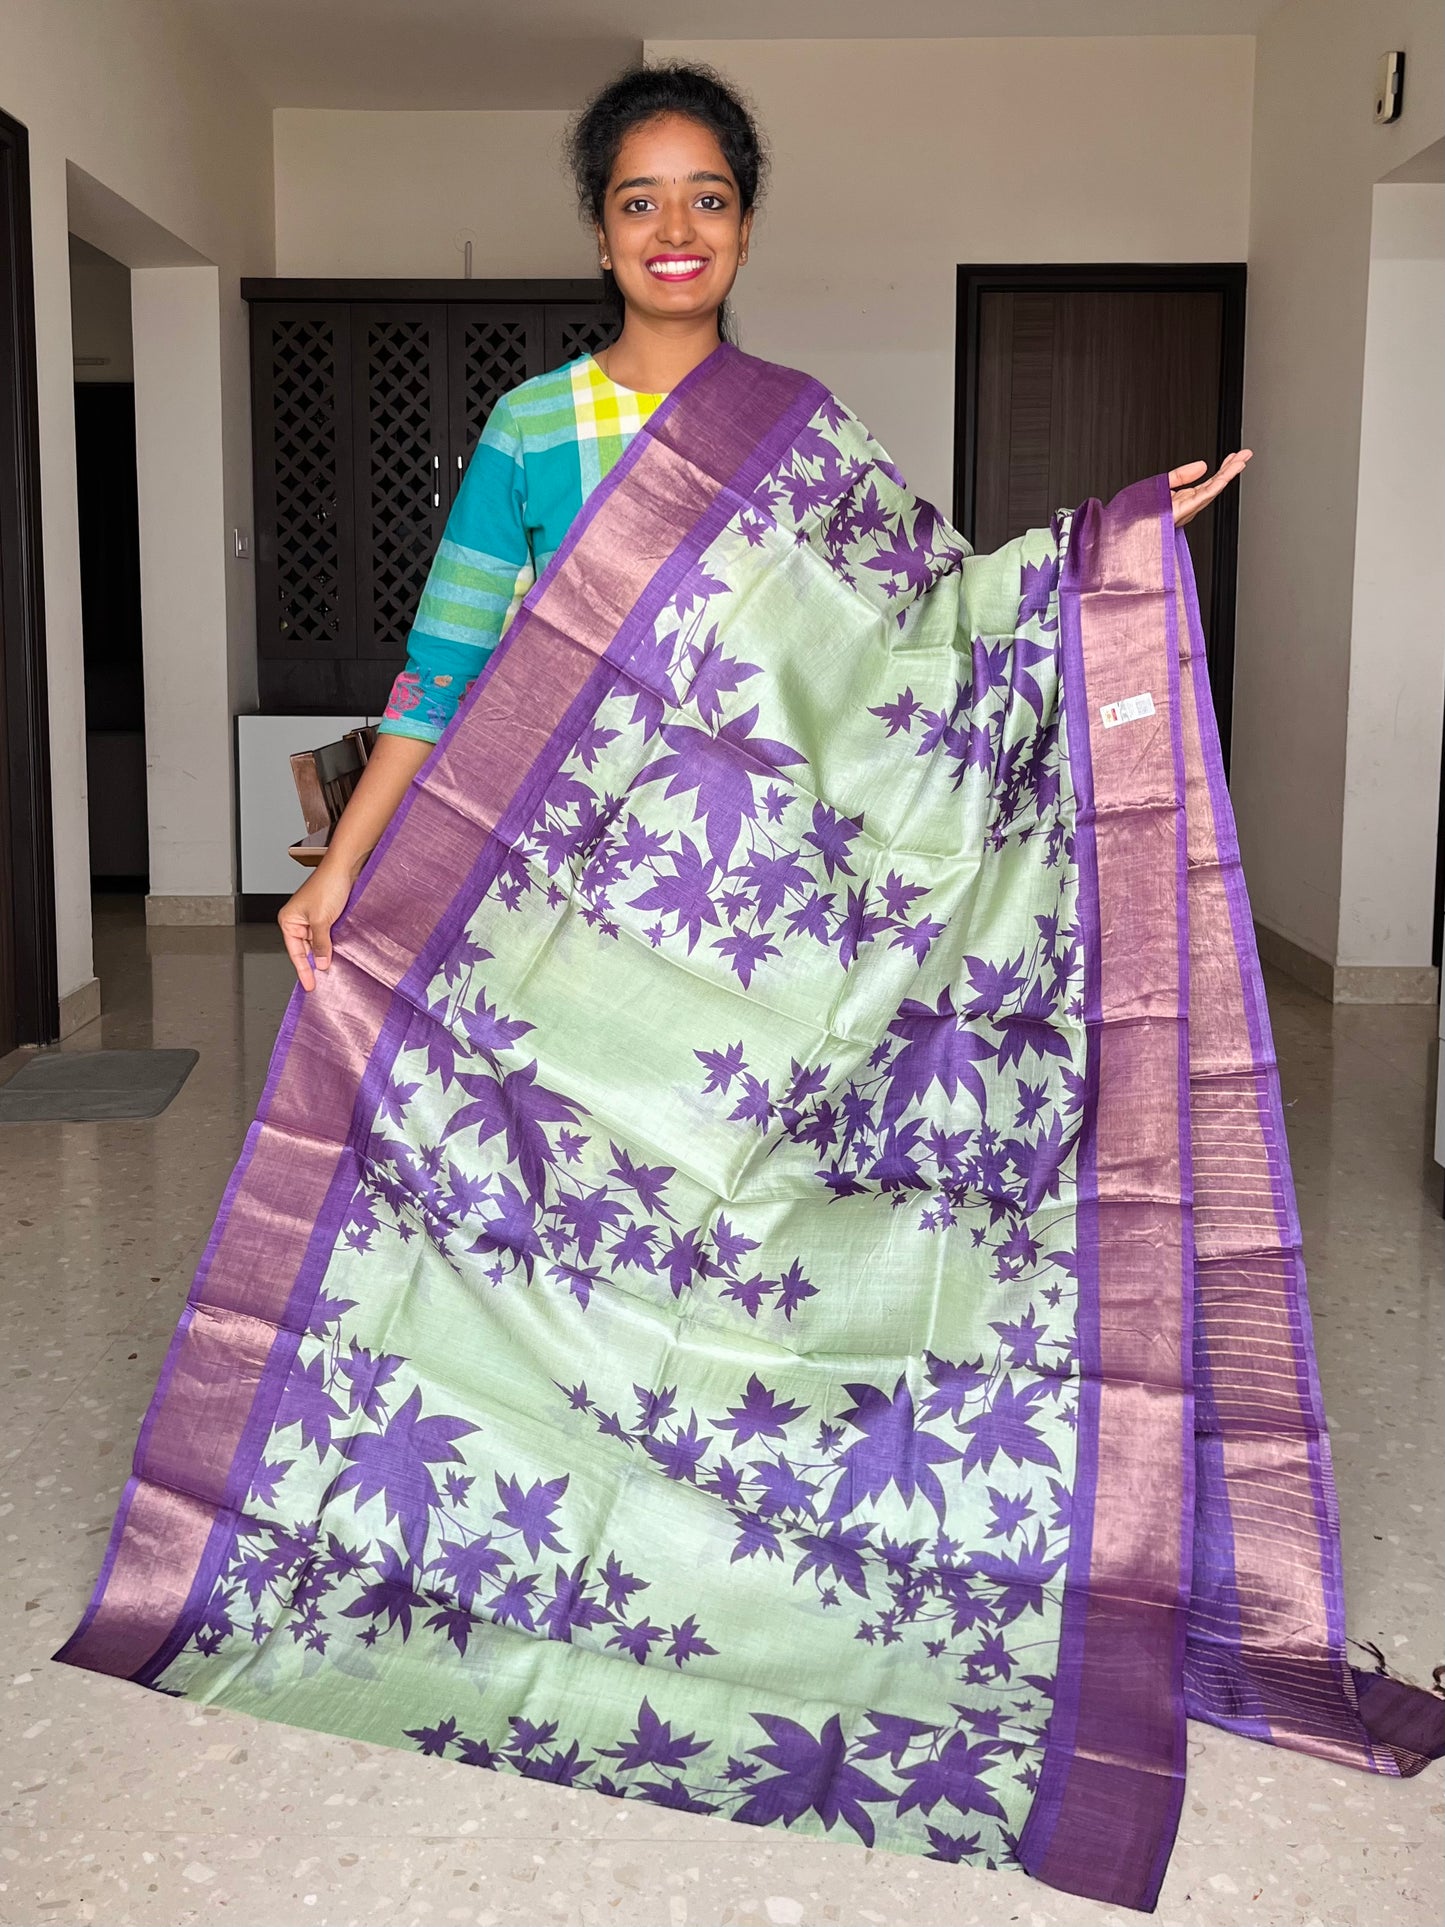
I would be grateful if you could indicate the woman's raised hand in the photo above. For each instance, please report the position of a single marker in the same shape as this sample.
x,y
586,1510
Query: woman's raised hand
x,y
1194,489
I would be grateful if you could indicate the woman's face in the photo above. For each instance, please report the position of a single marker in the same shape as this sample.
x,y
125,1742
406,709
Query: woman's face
x,y
673,228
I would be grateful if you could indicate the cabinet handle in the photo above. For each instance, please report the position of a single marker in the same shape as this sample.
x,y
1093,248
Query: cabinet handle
x,y
436,494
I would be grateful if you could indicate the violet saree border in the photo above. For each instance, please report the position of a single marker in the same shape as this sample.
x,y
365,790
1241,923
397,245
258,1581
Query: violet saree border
x,y
1267,1647
703,451
1107,1808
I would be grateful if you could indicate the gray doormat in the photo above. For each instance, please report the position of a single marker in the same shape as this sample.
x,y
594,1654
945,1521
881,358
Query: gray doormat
x,y
77,1086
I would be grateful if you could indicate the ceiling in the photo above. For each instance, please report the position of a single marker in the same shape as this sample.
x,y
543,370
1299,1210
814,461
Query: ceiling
x,y
552,53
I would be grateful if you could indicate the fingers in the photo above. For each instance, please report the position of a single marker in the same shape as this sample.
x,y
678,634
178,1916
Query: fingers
x,y
308,944
296,934
1190,472
1192,495
1229,468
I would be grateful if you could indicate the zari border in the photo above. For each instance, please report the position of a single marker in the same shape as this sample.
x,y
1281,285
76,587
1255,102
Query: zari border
x,y
681,479
1107,1807
1266,1642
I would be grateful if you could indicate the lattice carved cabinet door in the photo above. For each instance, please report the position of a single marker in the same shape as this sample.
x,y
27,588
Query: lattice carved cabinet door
x,y
399,357
492,349
572,331
305,533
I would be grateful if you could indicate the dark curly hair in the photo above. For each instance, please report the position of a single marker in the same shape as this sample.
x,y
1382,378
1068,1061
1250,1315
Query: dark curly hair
x,y
595,137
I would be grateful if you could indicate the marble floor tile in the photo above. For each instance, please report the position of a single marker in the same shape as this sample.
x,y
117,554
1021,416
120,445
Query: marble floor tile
x,y
127,1809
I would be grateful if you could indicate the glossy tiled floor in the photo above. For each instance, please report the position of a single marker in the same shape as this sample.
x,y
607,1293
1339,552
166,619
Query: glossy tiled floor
x,y
125,1807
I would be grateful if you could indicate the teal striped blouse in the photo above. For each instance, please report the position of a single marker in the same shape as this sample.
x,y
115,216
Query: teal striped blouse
x,y
544,449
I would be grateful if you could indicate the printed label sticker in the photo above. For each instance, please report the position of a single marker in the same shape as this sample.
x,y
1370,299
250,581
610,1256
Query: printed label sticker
x,y
1129,710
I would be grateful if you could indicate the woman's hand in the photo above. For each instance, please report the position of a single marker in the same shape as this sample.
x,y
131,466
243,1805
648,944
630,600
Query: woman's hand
x,y
307,918
1191,494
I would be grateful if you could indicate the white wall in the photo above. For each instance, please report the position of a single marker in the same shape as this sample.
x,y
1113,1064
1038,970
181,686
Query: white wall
x,y
1397,634
894,161
1317,156
399,193
134,94
181,492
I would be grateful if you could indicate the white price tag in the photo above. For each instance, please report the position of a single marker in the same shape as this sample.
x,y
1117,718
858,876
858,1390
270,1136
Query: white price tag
x,y
1129,710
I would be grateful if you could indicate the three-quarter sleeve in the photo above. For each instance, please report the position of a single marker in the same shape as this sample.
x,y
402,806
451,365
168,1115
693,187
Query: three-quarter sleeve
x,y
482,569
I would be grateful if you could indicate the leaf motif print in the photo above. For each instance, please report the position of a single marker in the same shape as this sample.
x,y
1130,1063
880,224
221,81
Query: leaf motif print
x,y
1008,1425
653,1743
715,675
720,768
518,1105
394,1464
937,1049
392,1596
922,1505
891,1451
512,1233
957,1776
531,1512
686,894
813,1772
306,1401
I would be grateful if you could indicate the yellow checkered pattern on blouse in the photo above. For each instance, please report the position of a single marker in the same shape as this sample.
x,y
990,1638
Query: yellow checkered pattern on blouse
x,y
607,419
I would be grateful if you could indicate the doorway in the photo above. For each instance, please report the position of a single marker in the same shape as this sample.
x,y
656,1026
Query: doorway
x,y
110,592
1074,381
29,1005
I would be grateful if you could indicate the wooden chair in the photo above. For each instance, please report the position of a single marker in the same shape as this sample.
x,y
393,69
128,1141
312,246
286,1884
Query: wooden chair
x,y
324,781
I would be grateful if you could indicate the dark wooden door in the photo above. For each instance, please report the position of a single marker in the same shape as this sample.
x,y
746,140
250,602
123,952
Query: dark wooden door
x,y
1077,381
29,1001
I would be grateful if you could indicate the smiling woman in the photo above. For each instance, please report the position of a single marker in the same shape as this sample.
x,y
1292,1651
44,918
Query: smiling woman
x,y
765,1277
669,166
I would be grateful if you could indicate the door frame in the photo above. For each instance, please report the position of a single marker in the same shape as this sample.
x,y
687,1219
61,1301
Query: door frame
x,y
26,749
1224,278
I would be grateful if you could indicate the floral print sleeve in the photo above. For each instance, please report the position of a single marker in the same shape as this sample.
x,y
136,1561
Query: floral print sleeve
x,y
482,569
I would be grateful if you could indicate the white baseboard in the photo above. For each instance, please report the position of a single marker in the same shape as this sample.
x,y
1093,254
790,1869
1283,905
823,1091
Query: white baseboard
x,y
177,911
1348,983
79,1007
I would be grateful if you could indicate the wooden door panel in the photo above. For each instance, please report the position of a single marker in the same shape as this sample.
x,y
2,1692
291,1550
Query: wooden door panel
x,y
576,328
29,1000
492,347
305,532
368,399
399,370
1068,391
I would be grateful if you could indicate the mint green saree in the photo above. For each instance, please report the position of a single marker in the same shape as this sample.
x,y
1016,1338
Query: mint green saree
x,y
765,1279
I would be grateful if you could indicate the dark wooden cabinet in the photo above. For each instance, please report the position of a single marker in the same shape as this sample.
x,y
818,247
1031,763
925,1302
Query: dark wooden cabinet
x,y
367,401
